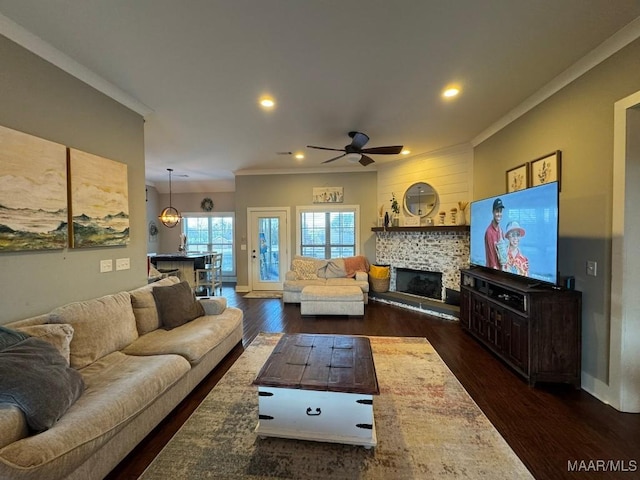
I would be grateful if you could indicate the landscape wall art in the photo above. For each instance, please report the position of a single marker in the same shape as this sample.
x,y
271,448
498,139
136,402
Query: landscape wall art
x,y
99,200
33,193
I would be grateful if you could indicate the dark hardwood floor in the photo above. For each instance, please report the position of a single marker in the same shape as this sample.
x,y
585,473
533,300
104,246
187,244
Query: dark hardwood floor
x,y
552,428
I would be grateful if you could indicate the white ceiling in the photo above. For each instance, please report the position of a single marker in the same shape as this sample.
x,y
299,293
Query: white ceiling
x,y
196,69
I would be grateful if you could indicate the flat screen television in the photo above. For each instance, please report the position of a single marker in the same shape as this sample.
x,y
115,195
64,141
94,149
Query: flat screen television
x,y
525,240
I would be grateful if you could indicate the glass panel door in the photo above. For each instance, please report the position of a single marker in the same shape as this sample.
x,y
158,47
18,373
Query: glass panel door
x,y
267,247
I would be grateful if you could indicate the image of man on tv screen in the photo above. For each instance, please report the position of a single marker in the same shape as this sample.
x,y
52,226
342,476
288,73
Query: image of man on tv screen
x,y
494,238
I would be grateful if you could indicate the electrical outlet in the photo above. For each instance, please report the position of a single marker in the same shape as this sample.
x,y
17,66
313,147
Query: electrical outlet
x,y
106,266
122,264
592,268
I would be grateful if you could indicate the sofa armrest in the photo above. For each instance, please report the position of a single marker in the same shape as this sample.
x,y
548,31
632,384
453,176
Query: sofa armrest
x,y
213,305
290,275
362,276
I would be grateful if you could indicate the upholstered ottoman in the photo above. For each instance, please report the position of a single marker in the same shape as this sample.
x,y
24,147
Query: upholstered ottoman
x,y
326,300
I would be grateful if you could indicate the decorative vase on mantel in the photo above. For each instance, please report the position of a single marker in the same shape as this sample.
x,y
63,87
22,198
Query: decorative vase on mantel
x,y
386,219
395,220
461,218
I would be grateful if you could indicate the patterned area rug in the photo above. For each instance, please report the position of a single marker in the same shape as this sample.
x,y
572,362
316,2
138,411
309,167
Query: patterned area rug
x,y
427,427
263,294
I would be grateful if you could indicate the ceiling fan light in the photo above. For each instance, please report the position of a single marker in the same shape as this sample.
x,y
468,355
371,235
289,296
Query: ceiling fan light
x,y
353,157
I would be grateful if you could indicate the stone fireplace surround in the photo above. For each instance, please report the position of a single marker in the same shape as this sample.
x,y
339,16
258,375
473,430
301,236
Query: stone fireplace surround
x,y
435,249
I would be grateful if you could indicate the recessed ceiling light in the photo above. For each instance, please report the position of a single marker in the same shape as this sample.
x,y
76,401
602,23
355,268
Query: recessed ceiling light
x,y
267,102
451,92
405,152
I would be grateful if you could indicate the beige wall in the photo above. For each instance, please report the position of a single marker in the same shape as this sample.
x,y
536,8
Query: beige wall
x,y
578,120
295,190
42,100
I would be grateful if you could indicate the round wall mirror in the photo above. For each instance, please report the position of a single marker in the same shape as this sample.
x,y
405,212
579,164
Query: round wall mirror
x,y
420,199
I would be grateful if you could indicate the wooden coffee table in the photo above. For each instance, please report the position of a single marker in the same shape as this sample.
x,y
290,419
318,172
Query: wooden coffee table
x,y
319,387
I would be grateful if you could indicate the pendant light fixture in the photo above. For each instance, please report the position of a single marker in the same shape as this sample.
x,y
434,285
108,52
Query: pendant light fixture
x,y
170,217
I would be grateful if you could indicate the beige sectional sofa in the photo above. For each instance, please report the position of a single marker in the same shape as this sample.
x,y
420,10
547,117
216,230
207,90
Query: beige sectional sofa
x,y
333,272
135,372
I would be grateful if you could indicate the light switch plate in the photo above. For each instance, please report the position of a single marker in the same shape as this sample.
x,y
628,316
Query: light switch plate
x,y
122,264
106,266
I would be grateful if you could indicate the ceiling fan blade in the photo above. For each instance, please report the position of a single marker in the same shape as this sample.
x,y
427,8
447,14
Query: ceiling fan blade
x,y
334,158
389,150
359,139
364,160
326,148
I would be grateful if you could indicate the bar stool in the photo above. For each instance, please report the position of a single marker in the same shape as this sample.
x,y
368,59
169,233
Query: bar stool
x,y
210,277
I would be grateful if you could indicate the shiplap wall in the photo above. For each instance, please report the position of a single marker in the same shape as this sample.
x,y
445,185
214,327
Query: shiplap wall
x,y
449,171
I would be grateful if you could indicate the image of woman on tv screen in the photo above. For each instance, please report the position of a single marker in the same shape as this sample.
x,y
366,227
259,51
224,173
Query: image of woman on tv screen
x,y
516,262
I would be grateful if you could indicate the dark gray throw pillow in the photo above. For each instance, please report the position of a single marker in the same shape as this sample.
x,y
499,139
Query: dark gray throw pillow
x,y
10,337
36,379
176,305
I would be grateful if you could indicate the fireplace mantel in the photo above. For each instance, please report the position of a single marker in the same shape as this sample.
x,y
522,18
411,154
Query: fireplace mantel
x,y
431,228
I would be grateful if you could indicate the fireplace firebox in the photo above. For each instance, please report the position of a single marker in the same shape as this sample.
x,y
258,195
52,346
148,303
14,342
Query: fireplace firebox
x,y
419,282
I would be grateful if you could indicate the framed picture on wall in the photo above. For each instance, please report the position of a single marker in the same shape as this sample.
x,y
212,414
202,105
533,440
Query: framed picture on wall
x,y
99,201
328,195
546,169
518,178
33,195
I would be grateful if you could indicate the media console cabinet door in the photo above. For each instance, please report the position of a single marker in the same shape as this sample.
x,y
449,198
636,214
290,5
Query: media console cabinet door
x,y
316,415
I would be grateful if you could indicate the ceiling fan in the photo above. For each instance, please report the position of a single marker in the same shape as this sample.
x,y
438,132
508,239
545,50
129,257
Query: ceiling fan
x,y
354,149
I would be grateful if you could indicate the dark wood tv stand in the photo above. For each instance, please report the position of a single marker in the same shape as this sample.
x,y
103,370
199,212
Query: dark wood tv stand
x,y
534,328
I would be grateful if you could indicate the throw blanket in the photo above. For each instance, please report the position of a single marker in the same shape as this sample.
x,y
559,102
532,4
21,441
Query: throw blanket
x,y
343,267
355,264
36,379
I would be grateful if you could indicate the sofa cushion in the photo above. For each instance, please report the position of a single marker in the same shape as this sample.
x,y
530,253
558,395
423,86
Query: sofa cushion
x,y
101,326
298,285
58,335
176,305
118,388
13,424
144,305
36,379
191,340
348,282
305,268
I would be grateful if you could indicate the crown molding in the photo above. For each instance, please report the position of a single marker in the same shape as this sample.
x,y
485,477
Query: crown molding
x,y
36,45
612,45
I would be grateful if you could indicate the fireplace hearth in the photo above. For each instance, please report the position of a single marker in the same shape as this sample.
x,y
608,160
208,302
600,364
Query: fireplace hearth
x,y
419,282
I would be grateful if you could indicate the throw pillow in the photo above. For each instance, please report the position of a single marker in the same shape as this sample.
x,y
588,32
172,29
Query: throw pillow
x,y
58,335
36,379
305,269
144,305
10,337
176,305
214,305
377,271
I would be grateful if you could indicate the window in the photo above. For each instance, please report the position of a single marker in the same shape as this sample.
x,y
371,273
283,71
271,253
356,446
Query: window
x,y
211,232
328,232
